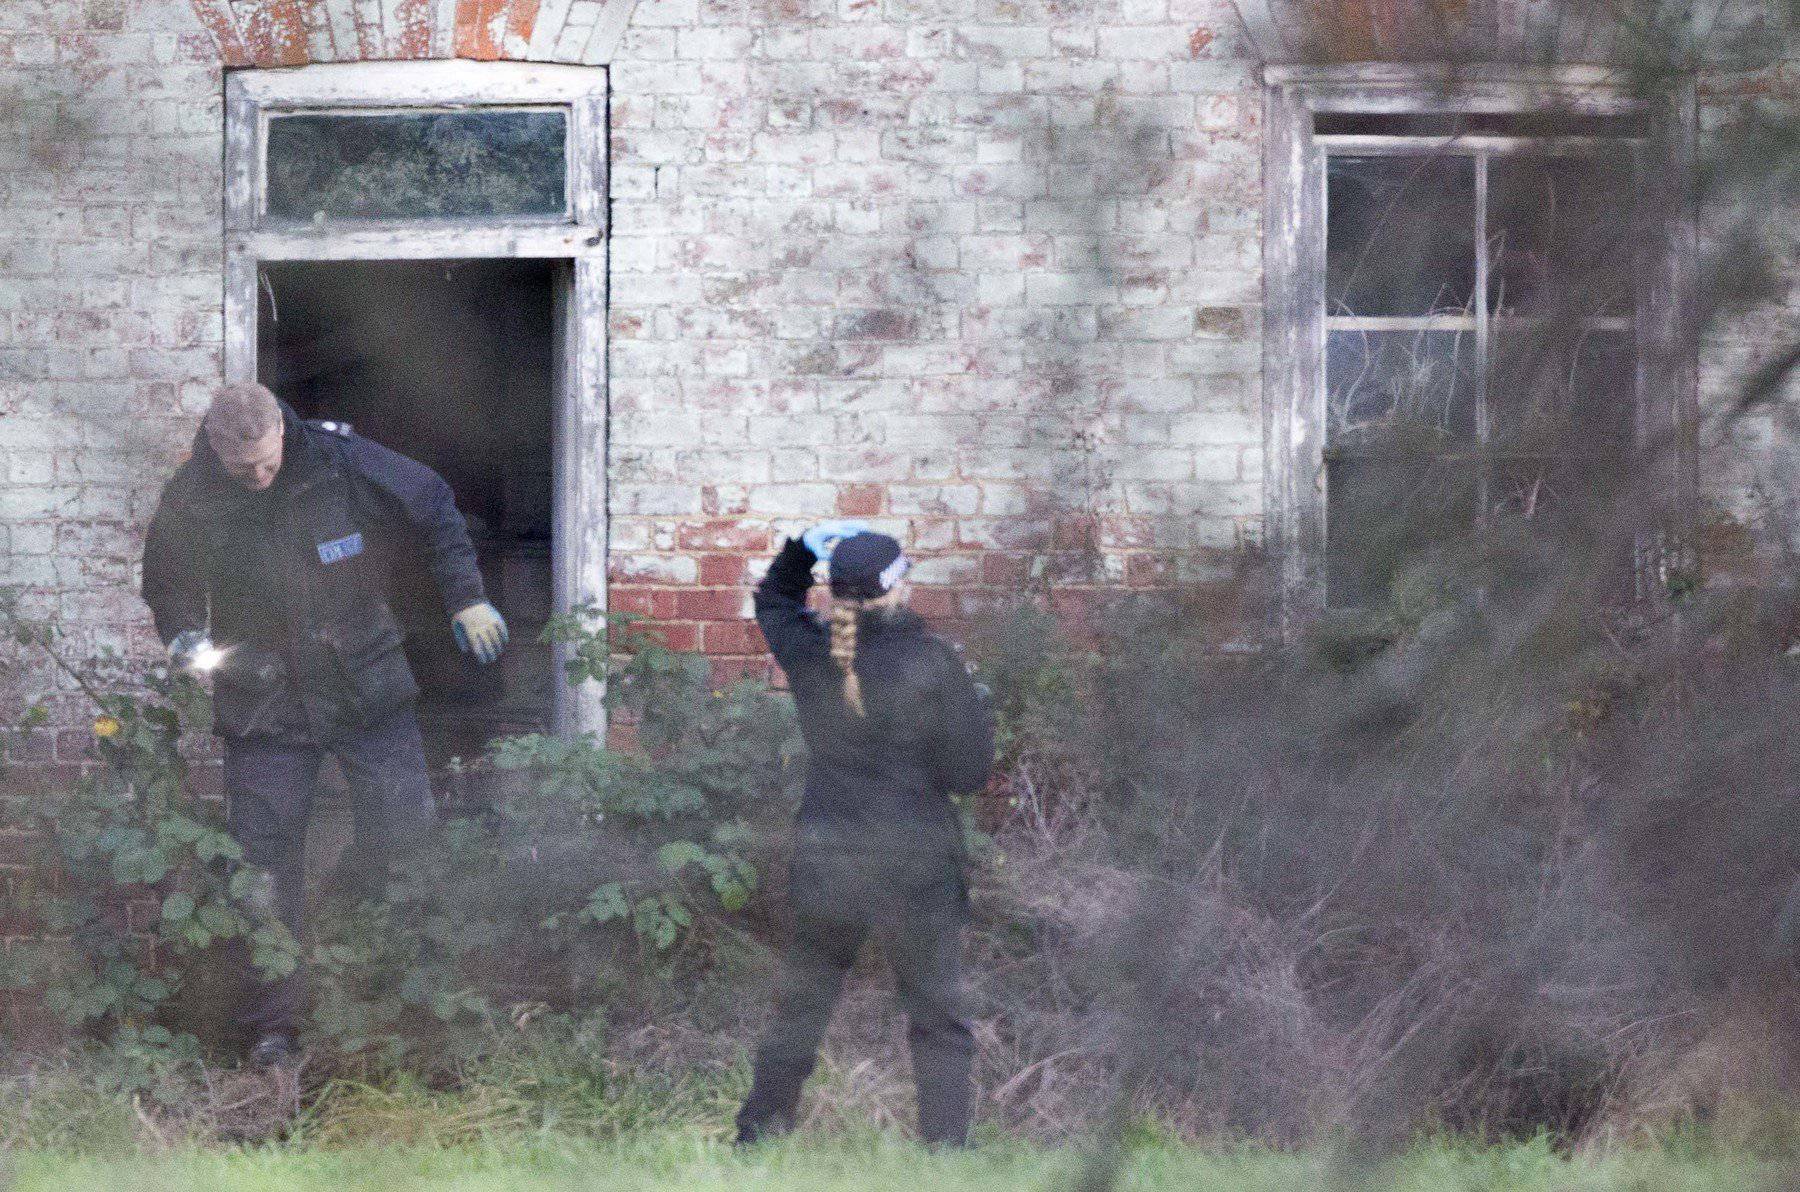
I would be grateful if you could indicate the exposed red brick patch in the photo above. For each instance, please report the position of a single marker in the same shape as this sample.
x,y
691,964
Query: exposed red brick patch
x,y
474,28
732,637
861,500
521,19
1199,39
413,39
723,570
678,635
219,20
709,604
275,34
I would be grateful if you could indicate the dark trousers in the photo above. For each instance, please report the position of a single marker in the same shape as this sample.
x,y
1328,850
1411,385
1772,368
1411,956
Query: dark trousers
x,y
916,912
269,788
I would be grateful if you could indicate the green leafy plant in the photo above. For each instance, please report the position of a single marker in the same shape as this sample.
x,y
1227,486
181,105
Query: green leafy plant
x,y
669,815
144,874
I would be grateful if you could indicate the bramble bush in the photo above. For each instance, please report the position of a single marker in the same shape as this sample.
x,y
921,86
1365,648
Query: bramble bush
x,y
586,869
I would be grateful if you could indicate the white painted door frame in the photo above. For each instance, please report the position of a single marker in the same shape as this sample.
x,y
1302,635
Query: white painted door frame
x,y
578,551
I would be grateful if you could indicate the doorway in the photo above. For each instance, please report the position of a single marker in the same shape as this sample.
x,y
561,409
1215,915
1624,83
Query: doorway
x,y
453,363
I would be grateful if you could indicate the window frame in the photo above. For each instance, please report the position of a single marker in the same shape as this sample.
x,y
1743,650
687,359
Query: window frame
x,y
1294,178
252,98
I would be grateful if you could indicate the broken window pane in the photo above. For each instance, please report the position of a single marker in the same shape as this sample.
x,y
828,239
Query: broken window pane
x,y
1559,235
1399,384
1399,235
475,164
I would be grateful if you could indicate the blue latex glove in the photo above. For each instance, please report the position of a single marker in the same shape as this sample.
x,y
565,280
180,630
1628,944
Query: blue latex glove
x,y
480,630
823,538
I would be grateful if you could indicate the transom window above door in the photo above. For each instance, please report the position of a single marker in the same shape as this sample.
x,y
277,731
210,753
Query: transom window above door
x,y
511,152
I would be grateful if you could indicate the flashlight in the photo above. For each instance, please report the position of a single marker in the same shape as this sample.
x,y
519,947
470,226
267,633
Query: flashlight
x,y
207,658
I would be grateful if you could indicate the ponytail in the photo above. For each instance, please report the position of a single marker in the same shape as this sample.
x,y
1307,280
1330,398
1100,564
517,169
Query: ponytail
x,y
844,615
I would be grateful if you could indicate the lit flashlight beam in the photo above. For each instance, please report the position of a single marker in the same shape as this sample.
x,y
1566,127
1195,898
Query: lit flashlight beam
x,y
208,658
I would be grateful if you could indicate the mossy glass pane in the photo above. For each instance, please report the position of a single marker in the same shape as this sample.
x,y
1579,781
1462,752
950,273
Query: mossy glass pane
x,y
477,164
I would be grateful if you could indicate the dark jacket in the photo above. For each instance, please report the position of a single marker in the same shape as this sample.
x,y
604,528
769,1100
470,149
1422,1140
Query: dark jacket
x,y
880,779
294,579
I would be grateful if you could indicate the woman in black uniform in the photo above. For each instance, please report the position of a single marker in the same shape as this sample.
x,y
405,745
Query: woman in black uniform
x,y
893,726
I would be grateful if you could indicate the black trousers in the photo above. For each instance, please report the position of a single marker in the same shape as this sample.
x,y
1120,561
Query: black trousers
x,y
269,787
916,910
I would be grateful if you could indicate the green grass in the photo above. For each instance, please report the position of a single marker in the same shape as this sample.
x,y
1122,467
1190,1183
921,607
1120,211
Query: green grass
x,y
873,1164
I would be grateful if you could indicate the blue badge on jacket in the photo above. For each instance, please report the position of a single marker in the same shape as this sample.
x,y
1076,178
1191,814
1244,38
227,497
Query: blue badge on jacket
x,y
340,549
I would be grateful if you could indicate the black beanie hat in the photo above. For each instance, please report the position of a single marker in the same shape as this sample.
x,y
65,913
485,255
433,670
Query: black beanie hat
x,y
867,566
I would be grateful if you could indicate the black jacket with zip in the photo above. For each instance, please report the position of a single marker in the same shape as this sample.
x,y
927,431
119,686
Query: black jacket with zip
x,y
294,579
877,782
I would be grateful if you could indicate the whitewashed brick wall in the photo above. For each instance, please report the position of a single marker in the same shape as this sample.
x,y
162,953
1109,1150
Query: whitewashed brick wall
x,y
985,271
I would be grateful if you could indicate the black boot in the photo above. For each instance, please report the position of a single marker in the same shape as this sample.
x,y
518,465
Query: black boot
x,y
943,1062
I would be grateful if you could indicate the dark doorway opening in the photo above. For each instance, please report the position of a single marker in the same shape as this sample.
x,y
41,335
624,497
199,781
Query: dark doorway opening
x,y
451,363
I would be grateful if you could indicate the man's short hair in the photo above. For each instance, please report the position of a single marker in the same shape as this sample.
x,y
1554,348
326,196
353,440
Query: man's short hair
x,y
242,413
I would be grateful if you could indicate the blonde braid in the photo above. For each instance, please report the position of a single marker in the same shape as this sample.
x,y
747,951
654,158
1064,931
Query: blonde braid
x,y
844,614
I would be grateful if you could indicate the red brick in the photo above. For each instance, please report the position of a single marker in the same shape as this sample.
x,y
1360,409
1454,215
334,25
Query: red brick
x,y
522,18
861,500
727,671
414,19
709,604
219,20
656,603
472,24
723,570
1008,571
276,34
1146,571
733,637
680,635
933,602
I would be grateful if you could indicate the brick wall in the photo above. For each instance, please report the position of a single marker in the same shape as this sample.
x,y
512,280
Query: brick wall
x,y
109,322
987,274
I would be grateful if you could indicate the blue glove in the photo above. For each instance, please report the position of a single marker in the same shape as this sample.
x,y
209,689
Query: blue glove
x,y
480,630
823,538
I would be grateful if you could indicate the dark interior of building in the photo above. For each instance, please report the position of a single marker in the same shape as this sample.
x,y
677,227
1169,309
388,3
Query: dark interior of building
x,y
449,362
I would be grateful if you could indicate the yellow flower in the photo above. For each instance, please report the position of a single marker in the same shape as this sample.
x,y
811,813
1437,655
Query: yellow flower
x,y
107,726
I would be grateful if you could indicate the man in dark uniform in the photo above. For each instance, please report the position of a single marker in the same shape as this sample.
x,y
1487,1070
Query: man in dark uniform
x,y
275,540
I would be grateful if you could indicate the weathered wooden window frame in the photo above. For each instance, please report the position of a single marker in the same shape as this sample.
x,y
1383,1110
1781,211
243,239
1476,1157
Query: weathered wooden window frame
x,y
1294,279
578,241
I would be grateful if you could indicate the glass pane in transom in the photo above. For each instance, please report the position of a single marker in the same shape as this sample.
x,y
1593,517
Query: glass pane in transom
x,y
1399,388
1399,235
481,163
1561,235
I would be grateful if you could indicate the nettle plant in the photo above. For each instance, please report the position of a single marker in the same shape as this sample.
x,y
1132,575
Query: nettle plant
x,y
144,878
